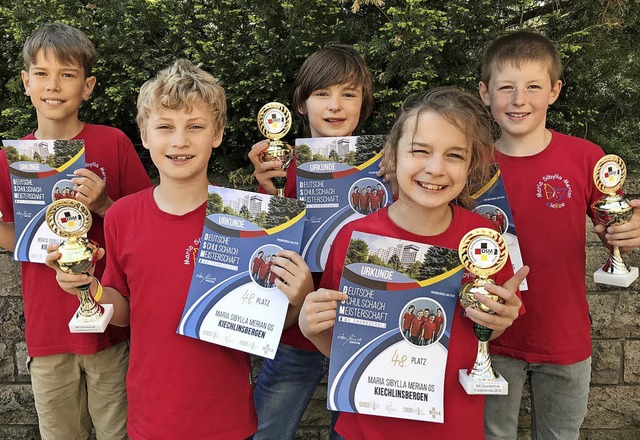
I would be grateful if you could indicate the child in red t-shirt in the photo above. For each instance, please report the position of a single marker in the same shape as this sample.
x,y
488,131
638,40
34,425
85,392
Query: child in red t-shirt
x,y
439,147
177,387
333,94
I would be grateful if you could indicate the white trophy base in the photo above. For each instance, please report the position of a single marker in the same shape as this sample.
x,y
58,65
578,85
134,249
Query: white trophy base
x,y
624,280
499,386
97,326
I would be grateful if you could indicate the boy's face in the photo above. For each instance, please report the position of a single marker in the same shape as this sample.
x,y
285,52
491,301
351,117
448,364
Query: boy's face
x,y
519,98
56,89
180,142
334,110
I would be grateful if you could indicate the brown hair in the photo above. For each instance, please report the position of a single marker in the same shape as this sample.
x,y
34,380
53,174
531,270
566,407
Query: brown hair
x,y
331,65
179,86
66,43
517,48
463,110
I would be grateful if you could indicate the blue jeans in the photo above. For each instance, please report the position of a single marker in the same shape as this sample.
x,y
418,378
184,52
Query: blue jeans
x,y
284,388
559,395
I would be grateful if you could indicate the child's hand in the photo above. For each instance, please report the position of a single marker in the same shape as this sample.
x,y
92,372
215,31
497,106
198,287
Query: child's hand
x,y
294,276
265,171
386,171
625,236
92,191
318,312
69,282
504,314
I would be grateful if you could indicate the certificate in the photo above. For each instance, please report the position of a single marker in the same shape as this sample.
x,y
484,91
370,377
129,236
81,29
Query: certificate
x,y
336,177
233,300
492,203
41,172
391,337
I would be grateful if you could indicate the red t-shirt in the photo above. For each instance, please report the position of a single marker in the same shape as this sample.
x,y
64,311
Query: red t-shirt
x,y
416,326
438,321
375,201
110,154
550,194
257,264
177,387
364,201
264,270
463,414
406,322
355,198
429,329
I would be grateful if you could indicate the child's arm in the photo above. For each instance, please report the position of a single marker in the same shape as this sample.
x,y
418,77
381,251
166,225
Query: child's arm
x,y
295,281
7,236
265,171
69,283
505,313
92,191
318,316
625,236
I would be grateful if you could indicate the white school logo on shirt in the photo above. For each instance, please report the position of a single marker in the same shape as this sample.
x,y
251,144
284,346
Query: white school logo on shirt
x,y
554,190
191,253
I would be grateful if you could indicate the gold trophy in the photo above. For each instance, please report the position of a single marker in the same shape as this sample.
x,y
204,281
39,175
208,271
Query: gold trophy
x,y
70,219
483,252
612,209
274,122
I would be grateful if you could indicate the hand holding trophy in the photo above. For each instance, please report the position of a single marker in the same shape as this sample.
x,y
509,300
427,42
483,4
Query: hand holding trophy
x,y
609,175
483,252
70,219
274,122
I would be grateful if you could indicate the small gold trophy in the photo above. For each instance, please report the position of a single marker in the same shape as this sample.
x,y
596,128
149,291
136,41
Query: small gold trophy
x,y
612,209
70,219
274,122
483,252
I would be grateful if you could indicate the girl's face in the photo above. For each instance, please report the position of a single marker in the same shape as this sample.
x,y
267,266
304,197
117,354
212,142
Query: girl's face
x,y
432,161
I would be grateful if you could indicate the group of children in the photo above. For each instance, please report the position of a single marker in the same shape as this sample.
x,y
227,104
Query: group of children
x,y
368,200
437,155
422,327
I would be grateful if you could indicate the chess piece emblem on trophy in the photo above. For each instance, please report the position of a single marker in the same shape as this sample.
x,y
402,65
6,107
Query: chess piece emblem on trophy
x,y
71,220
612,208
483,252
274,122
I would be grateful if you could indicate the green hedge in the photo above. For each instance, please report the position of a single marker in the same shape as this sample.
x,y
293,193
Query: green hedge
x,y
255,48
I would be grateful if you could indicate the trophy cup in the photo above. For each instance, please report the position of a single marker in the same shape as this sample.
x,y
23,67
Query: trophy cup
x,y
483,252
274,122
70,219
612,209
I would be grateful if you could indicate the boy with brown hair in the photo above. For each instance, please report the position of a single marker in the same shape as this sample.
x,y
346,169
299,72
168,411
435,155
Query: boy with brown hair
x,y
178,387
78,379
548,179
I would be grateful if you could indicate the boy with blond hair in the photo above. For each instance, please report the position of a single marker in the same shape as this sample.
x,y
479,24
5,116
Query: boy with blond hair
x,y
548,178
78,379
178,387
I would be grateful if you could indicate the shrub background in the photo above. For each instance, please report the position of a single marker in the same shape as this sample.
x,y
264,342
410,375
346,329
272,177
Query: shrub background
x,y
256,47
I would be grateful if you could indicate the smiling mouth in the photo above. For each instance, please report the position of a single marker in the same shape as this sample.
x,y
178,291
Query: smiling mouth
x,y
432,187
180,158
518,115
53,101
334,120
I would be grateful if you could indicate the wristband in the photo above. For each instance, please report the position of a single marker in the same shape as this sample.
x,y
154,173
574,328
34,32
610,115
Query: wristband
x,y
98,294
